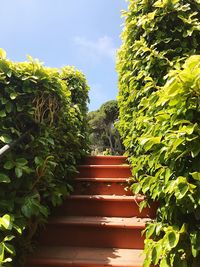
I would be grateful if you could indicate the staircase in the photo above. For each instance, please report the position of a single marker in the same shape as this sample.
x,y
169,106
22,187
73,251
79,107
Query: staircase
x,y
100,224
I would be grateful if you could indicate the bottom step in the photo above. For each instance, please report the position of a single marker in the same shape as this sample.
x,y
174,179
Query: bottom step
x,y
86,257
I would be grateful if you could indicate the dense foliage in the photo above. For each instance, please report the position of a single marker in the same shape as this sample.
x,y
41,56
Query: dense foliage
x,y
34,175
159,122
104,136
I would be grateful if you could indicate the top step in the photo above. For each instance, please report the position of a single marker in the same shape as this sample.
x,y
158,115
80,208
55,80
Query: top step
x,y
105,160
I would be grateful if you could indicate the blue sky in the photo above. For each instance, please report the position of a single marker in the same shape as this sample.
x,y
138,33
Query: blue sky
x,y
82,33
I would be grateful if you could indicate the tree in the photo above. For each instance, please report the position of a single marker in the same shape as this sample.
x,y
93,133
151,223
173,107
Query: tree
x,y
103,133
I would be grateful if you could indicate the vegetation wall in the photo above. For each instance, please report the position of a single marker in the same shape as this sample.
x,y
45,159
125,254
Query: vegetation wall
x,y
159,85
51,105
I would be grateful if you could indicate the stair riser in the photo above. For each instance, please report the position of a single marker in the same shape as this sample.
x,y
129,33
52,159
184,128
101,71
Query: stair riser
x,y
105,161
81,207
92,236
100,188
103,172
49,263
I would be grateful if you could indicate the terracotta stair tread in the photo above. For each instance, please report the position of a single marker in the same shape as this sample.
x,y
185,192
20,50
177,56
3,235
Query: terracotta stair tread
x,y
105,160
102,170
107,157
120,222
123,166
104,179
87,256
109,197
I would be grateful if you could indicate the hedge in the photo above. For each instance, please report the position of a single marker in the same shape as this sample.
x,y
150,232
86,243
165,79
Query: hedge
x,y
159,122
51,104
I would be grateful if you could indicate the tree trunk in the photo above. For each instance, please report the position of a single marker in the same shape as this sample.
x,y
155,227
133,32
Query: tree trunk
x,y
119,144
110,142
109,136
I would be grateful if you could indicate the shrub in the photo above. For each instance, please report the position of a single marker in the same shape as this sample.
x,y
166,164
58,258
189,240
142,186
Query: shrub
x,y
51,104
159,122
166,165
158,36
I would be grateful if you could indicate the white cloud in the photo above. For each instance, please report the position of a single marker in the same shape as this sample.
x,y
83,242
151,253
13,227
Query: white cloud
x,y
102,47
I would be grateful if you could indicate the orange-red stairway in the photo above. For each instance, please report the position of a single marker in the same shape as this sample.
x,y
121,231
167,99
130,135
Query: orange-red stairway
x,y
99,225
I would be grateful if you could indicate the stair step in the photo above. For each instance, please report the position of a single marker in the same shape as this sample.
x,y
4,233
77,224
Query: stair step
x,y
100,224
62,256
102,186
105,160
104,205
103,171
95,232
104,179
119,222
137,199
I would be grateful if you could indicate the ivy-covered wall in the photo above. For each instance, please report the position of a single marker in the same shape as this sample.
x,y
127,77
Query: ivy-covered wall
x,y
159,122
34,175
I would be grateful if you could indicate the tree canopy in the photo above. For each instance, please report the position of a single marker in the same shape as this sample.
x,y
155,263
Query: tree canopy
x,y
103,133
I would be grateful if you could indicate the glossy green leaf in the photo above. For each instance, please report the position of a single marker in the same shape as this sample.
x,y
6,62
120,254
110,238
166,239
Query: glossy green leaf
x,y
21,161
13,95
196,175
150,230
8,165
18,172
173,239
5,221
2,114
4,178
5,139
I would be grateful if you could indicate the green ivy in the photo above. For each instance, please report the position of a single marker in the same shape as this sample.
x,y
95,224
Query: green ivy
x,y
166,167
34,175
159,98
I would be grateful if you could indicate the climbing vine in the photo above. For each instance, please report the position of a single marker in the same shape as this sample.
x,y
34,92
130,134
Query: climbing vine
x,y
159,122
34,174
